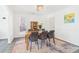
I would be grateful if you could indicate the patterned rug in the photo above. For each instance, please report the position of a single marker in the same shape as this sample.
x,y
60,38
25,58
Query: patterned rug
x,y
59,47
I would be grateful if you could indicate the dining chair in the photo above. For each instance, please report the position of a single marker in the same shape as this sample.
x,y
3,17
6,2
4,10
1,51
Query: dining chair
x,y
51,35
43,37
33,38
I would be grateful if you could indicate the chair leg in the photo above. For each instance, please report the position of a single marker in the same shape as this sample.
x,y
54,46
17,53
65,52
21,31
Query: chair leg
x,y
30,46
53,40
38,45
41,43
27,47
30,49
49,40
46,42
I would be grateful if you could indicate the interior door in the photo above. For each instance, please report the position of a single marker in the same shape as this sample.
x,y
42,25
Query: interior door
x,y
3,28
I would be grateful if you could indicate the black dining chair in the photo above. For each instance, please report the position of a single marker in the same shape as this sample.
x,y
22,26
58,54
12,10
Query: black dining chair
x,y
33,38
43,37
51,35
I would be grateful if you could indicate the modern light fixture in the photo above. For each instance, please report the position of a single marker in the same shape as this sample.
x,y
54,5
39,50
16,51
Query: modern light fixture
x,y
39,7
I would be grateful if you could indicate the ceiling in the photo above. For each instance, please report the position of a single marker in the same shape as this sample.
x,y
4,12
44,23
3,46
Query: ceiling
x,y
31,9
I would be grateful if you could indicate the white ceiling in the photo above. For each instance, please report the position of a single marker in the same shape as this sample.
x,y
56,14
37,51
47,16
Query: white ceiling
x,y
31,9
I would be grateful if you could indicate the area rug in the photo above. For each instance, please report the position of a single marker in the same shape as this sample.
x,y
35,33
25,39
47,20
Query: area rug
x,y
59,47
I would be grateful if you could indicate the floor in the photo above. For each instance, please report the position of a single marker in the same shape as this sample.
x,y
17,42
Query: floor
x,y
60,47
4,46
18,46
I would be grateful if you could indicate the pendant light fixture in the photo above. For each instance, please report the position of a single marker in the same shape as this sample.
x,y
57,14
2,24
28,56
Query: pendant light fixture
x,y
39,8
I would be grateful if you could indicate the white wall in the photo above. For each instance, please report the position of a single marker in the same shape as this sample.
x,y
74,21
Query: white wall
x,y
67,31
16,26
6,30
10,25
45,20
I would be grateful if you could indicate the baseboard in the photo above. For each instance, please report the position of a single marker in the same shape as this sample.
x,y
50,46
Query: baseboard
x,y
18,37
65,41
3,38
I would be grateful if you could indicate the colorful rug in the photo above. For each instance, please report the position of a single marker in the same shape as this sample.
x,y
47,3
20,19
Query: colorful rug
x,y
59,47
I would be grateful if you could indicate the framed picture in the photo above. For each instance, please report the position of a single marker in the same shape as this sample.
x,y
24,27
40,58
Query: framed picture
x,y
69,18
22,24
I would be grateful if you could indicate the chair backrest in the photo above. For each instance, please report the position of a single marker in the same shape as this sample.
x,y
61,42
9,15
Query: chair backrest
x,y
51,34
34,36
43,35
